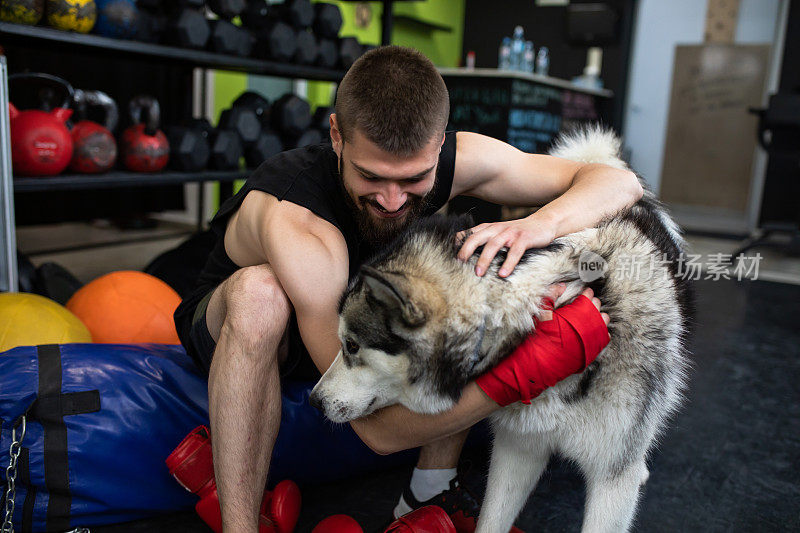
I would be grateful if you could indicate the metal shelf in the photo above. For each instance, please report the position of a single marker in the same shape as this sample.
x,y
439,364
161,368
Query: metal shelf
x,y
113,180
42,36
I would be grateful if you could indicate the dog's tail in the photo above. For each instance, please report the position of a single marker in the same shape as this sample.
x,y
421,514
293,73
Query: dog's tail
x,y
590,144
596,144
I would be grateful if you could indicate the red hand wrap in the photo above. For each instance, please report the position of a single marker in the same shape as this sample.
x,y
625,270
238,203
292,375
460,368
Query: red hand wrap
x,y
558,348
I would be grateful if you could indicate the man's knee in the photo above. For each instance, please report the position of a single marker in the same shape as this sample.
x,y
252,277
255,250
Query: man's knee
x,y
257,309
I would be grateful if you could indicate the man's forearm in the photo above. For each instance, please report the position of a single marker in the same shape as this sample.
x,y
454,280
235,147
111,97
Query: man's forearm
x,y
395,428
597,191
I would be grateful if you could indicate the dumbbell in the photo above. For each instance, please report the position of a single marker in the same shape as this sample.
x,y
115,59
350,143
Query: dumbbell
x,y
268,144
349,51
308,137
256,103
196,4
327,53
188,28
298,13
256,14
227,9
307,48
322,118
276,40
243,121
227,38
150,27
290,115
225,145
327,20
189,148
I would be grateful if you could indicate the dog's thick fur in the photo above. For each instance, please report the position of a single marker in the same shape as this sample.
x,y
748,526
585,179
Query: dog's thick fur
x,y
417,325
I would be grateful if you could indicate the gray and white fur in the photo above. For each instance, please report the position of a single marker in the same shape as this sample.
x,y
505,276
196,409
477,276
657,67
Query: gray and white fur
x,y
417,325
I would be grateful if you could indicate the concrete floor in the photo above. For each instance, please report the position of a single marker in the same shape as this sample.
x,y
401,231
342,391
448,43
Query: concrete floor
x,y
106,248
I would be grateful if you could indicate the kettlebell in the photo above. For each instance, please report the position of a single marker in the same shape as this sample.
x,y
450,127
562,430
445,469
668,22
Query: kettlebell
x,y
95,149
144,147
72,15
41,144
22,11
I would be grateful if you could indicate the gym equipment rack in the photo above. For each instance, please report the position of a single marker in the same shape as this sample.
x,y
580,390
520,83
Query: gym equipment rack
x,y
52,41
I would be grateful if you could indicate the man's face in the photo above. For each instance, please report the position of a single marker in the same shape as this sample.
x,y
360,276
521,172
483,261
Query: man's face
x,y
386,192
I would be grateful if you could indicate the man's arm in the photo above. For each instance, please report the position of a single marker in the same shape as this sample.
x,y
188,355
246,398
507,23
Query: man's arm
x,y
574,196
309,258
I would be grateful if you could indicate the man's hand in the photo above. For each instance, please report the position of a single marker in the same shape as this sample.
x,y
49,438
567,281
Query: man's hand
x,y
516,235
562,345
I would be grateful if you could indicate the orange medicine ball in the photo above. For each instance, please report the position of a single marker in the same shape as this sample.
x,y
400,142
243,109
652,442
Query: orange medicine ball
x,y
127,307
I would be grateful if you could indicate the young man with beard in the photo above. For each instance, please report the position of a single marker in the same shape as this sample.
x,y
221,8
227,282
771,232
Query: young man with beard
x,y
266,302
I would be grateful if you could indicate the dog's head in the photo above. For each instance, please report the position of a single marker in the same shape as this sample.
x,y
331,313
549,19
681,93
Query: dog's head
x,y
407,336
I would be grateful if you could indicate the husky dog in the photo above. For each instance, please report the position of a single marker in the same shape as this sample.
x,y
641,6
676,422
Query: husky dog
x,y
417,325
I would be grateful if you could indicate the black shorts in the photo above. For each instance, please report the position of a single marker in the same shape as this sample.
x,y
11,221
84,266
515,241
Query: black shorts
x,y
200,345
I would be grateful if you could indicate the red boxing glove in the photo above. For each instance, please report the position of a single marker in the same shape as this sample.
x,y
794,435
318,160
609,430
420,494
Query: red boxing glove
x,y
192,465
338,523
428,519
558,348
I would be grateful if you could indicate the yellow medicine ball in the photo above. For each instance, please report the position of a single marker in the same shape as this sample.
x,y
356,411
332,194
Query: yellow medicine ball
x,y
30,319
72,15
22,11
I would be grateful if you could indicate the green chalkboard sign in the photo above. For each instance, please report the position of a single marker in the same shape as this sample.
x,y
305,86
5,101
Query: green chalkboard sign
x,y
523,112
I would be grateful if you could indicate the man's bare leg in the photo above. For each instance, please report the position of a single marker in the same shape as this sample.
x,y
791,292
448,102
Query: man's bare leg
x,y
247,316
443,453
436,467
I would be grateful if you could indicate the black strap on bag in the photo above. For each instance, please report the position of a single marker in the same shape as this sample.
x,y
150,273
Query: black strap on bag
x,y
30,491
49,409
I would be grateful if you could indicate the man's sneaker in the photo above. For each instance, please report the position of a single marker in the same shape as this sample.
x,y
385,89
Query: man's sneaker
x,y
458,502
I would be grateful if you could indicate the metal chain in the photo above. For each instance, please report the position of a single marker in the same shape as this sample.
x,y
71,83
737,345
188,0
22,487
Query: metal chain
x,y
11,477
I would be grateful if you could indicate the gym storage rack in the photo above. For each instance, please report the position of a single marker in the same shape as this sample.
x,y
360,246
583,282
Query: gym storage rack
x,y
43,37
121,68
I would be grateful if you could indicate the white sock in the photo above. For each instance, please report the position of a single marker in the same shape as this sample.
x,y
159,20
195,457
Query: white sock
x,y
425,484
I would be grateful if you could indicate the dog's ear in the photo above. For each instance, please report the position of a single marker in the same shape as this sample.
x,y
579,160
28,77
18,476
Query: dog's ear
x,y
390,290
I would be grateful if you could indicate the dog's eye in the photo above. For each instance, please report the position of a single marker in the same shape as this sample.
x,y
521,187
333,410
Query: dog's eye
x,y
351,346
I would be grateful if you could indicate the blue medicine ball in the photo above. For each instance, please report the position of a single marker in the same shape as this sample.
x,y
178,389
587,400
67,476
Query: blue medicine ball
x,y
116,18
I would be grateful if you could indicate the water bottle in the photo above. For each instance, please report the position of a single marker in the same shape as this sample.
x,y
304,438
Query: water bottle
x,y
504,55
543,61
528,57
517,49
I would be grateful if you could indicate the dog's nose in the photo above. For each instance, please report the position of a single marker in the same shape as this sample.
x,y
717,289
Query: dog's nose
x,y
316,401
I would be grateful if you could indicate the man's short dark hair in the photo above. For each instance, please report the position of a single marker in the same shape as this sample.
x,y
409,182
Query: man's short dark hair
x,y
395,97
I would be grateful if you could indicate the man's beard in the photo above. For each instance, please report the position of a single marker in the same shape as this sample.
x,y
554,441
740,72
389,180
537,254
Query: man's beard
x,y
379,232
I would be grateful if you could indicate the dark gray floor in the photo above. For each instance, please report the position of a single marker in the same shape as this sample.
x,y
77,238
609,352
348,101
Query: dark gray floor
x,y
730,461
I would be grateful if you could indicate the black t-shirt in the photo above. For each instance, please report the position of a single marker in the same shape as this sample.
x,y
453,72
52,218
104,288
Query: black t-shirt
x,y
308,177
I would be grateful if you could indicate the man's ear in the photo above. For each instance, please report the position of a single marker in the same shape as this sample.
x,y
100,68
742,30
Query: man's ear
x,y
336,134
390,290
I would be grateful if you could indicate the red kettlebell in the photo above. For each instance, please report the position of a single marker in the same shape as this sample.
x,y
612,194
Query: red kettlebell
x,y
144,147
95,149
40,141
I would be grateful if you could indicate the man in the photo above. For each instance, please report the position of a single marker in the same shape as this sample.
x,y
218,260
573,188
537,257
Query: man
x,y
304,222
